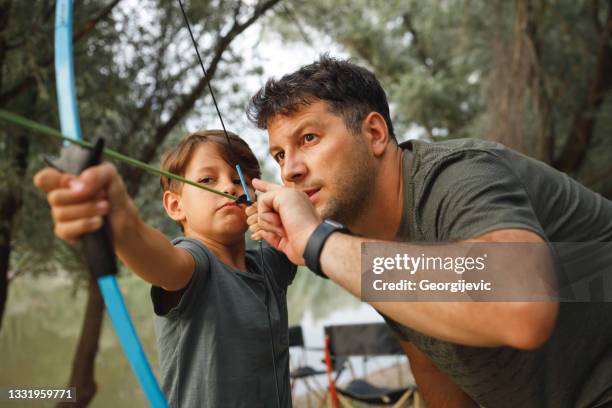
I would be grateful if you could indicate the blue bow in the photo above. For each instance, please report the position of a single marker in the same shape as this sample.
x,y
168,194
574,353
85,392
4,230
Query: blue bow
x,y
70,125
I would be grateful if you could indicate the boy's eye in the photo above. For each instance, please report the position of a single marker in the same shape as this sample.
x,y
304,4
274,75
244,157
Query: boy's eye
x,y
237,181
279,156
205,180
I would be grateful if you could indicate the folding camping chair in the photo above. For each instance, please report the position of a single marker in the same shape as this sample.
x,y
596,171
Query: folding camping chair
x,y
366,341
305,372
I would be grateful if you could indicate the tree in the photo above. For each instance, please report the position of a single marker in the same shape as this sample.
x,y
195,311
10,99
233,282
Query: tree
x,y
532,74
137,81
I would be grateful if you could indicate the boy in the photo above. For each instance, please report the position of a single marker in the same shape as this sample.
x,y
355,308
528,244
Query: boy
x,y
211,297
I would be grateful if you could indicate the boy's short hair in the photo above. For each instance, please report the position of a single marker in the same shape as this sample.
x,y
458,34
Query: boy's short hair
x,y
237,151
349,90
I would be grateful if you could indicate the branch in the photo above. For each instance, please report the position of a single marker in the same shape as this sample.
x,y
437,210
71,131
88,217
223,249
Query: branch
x,y
15,273
187,101
422,54
30,80
143,113
291,15
595,10
90,25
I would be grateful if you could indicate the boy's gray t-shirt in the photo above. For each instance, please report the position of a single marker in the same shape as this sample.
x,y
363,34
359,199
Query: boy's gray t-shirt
x,y
214,346
460,189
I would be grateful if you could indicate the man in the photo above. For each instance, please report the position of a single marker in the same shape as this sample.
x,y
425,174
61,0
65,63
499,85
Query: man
x,y
331,133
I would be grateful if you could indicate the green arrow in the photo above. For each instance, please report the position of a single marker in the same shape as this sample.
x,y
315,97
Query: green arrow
x,y
46,130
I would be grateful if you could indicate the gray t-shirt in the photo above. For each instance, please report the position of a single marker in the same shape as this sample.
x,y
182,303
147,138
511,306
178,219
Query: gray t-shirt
x,y
459,189
214,346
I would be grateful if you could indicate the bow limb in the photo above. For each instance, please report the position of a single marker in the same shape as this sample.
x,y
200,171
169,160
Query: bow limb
x,y
98,247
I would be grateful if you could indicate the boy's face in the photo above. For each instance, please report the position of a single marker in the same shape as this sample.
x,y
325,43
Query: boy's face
x,y
202,213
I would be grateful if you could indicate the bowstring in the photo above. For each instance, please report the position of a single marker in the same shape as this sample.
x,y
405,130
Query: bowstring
x,y
248,196
214,99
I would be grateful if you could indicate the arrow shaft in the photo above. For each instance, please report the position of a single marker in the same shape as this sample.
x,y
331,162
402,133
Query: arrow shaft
x,y
46,130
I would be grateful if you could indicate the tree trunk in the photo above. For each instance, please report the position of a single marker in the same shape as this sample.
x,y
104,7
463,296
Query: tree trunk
x,y
9,205
5,9
83,363
583,124
5,256
17,149
544,140
510,82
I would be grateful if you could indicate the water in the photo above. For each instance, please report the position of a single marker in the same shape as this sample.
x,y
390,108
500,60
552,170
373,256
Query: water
x,y
40,332
43,320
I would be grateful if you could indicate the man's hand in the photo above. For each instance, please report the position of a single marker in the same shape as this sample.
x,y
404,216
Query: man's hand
x,y
284,217
79,203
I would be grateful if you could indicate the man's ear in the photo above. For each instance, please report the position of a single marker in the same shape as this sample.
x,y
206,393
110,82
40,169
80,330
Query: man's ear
x,y
173,207
376,133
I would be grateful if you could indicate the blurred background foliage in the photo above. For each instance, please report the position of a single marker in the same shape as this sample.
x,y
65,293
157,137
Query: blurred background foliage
x,y
532,74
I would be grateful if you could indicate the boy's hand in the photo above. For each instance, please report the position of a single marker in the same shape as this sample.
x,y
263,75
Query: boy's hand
x,y
79,203
284,217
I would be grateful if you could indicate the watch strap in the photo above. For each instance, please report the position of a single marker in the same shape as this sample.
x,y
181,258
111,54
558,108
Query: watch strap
x,y
314,246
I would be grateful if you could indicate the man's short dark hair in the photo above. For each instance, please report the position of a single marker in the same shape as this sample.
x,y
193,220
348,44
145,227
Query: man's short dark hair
x,y
349,90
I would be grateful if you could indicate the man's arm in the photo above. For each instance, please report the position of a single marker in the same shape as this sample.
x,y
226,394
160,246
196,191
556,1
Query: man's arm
x,y
435,387
78,205
286,219
524,325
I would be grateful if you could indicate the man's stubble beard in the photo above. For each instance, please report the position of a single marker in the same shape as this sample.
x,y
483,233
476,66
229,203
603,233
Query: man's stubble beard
x,y
351,190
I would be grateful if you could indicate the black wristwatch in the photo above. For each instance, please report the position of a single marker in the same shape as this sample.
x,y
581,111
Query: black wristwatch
x,y
315,244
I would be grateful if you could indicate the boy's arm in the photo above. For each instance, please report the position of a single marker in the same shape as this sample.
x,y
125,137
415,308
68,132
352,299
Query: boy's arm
x,y
148,253
78,205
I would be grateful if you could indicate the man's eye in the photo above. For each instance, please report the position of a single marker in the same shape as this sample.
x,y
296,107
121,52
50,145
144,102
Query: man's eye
x,y
310,137
279,156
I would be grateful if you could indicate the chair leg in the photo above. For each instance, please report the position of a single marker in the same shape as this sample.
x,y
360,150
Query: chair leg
x,y
344,402
328,402
400,378
331,383
315,389
308,396
323,401
400,402
417,400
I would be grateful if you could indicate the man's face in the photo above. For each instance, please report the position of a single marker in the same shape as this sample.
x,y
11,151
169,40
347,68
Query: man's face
x,y
319,155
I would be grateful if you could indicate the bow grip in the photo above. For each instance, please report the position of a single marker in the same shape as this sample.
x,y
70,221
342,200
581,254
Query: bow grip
x,y
98,245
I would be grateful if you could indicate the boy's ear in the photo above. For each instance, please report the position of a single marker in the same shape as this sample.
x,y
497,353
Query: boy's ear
x,y
173,207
